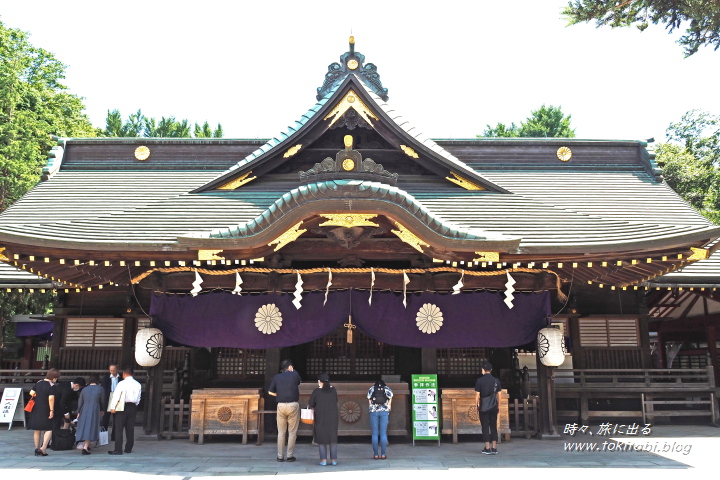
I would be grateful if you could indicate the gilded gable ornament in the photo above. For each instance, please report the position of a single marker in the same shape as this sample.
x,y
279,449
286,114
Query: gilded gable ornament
x,y
3,258
564,154
238,182
142,153
351,100
289,236
464,182
410,238
348,220
409,151
292,150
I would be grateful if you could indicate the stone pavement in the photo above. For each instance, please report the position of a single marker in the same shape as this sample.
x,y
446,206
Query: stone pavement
x,y
697,448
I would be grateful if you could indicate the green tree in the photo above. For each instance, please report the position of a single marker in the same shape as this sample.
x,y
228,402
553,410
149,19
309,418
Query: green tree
x,y
138,125
547,121
701,19
19,303
691,161
34,104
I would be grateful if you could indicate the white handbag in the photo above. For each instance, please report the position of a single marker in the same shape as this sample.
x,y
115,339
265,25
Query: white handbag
x,y
307,415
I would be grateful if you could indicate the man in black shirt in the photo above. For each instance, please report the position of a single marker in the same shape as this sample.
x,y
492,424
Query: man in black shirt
x,y
487,388
285,386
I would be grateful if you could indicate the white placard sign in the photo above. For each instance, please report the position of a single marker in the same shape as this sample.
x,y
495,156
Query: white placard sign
x,y
12,406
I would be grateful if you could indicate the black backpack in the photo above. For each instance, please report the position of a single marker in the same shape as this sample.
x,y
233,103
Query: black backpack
x,y
379,397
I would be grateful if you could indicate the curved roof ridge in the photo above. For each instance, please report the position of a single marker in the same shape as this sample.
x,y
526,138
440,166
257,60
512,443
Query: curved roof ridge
x,y
353,189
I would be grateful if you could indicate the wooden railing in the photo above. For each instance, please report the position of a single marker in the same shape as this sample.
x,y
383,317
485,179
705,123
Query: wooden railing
x,y
656,378
175,419
75,358
523,415
28,378
610,358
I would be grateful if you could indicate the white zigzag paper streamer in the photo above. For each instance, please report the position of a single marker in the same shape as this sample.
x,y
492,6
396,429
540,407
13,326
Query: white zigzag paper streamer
x,y
238,282
327,289
406,280
298,292
372,284
196,284
460,284
509,297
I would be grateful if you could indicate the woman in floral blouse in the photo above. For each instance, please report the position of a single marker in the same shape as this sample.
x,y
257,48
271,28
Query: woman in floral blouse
x,y
380,398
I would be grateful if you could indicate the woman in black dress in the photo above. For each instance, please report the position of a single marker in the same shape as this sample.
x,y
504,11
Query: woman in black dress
x,y
325,402
42,415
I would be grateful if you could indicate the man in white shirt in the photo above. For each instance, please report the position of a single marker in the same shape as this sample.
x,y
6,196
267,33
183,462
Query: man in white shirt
x,y
109,382
123,405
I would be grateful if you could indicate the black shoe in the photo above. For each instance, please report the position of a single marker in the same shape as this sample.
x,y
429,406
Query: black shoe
x,y
280,459
128,451
85,452
494,451
113,452
486,451
291,459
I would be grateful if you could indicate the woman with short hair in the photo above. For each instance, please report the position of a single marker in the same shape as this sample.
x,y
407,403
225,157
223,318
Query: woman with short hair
x,y
324,400
42,417
91,407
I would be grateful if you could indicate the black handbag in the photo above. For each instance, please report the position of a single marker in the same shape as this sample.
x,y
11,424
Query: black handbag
x,y
63,439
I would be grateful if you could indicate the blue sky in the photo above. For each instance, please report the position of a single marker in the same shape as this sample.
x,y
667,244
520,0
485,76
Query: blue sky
x,y
450,67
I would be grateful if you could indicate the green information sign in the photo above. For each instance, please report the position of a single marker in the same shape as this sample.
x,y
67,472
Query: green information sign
x,y
425,407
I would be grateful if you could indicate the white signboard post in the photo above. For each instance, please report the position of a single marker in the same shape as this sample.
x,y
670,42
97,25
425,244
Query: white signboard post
x,y
12,406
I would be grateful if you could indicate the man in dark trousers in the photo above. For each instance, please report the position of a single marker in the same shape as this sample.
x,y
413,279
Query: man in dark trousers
x,y
285,386
487,389
124,404
109,382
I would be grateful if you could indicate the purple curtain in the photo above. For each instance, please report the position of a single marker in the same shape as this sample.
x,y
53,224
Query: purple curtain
x,y
472,319
34,329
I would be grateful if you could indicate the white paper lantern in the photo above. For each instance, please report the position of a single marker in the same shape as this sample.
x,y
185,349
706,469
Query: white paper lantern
x,y
550,343
148,347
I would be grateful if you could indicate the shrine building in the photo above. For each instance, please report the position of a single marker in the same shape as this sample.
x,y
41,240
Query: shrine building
x,y
354,244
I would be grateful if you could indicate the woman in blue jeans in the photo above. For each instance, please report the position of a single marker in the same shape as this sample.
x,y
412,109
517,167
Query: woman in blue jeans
x,y
380,398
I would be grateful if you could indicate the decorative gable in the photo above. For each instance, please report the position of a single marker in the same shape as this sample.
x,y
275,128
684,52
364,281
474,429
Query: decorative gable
x,y
381,139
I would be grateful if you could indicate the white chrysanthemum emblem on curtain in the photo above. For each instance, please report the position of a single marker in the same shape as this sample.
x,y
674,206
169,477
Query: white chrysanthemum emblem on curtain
x,y
429,318
268,319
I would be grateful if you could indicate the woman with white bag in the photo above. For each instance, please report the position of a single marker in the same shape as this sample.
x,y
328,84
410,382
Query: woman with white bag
x,y
324,400
91,406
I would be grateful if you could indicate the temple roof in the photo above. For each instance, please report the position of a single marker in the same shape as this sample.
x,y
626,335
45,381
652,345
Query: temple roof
x,y
531,199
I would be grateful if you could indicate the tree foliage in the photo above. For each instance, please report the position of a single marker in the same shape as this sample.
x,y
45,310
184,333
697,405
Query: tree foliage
x,y
547,121
34,104
701,19
691,161
20,303
138,125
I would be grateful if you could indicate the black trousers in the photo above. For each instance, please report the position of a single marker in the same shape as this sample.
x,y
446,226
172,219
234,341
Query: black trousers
x,y
125,422
488,420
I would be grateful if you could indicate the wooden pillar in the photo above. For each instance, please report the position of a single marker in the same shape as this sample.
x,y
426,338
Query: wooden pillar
x,y
154,401
577,353
661,350
547,410
646,358
26,361
127,357
428,360
711,335
58,339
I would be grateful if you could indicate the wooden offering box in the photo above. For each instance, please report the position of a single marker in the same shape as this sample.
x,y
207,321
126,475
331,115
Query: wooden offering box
x,y
461,417
354,410
224,411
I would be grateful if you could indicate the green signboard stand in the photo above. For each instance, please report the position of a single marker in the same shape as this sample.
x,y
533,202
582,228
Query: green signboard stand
x,y
425,408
